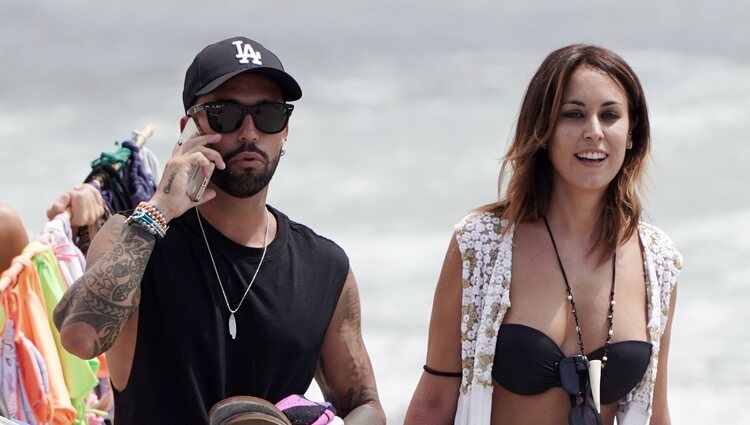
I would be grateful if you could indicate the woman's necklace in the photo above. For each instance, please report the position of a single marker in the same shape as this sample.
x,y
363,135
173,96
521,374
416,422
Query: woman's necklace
x,y
232,322
610,316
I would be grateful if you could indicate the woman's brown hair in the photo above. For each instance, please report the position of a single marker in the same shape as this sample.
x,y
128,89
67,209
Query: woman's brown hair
x,y
526,163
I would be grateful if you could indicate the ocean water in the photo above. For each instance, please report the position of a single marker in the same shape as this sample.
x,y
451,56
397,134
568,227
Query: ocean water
x,y
405,114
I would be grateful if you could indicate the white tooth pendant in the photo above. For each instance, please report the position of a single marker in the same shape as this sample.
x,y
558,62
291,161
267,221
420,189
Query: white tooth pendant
x,y
232,326
595,376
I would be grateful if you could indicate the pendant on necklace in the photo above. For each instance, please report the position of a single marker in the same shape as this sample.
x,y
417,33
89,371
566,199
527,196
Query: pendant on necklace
x,y
595,379
232,326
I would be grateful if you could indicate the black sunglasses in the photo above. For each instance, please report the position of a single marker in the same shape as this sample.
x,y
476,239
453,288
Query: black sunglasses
x,y
574,377
226,117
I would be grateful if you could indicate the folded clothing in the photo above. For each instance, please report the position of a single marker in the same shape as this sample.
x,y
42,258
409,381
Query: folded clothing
x,y
246,410
302,411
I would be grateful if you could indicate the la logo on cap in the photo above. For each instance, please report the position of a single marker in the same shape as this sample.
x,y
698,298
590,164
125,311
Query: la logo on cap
x,y
244,54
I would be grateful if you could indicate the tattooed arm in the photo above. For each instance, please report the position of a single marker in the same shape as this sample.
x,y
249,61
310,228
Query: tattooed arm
x,y
99,306
99,312
344,373
94,310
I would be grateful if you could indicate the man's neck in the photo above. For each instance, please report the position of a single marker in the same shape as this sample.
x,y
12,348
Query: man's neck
x,y
241,220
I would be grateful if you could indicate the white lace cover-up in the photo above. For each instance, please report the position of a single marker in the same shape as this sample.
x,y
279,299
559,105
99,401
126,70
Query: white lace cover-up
x,y
486,255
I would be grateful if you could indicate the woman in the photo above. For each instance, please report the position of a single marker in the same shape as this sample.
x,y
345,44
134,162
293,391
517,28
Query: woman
x,y
593,286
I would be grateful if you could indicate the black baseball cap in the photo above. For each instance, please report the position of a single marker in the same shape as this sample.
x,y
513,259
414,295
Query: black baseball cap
x,y
219,62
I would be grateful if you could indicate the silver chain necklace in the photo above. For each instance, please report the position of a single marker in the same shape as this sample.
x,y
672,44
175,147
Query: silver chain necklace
x,y
232,325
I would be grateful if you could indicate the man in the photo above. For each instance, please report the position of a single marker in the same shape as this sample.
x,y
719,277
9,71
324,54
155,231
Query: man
x,y
194,302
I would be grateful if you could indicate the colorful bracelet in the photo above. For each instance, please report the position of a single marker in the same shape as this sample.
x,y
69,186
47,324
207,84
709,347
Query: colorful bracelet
x,y
154,213
150,218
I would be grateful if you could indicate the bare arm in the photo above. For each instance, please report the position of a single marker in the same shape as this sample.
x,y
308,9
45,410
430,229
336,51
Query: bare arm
x,y
660,415
87,210
93,311
85,203
345,374
13,237
436,397
99,312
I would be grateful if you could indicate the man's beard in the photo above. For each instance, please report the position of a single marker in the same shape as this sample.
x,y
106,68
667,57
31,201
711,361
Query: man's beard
x,y
246,182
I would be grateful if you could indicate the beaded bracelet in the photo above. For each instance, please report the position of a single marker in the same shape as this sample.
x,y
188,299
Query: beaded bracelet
x,y
150,218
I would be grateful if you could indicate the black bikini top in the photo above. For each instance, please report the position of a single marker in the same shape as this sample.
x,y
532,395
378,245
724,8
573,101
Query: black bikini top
x,y
526,363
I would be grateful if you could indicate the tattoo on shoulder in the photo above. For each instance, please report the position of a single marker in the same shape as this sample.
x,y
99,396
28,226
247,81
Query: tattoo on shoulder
x,y
349,327
352,312
358,364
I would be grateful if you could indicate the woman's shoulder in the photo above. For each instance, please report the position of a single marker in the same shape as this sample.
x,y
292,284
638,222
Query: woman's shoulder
x,y
482,221
660,244
483,227
482,218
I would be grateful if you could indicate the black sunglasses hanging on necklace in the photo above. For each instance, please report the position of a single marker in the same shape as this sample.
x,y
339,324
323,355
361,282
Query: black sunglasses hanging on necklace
x,y
574,377
226,117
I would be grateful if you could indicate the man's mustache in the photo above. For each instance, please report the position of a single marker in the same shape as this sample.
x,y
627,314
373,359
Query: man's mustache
x,y
246,147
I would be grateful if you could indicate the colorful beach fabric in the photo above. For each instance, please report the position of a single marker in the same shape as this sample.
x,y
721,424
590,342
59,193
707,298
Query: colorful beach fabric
x,y
80,375
30,317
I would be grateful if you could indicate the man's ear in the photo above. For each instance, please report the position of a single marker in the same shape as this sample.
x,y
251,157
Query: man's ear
x,y
183,121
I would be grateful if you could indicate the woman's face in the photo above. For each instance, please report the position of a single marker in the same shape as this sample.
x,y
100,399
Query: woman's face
x,y
589,140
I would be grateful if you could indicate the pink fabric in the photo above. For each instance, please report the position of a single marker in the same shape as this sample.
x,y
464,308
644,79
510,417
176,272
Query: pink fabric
x,y
297,401
71,260
293,400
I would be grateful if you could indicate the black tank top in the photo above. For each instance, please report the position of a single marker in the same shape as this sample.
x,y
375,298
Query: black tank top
x,y
185,360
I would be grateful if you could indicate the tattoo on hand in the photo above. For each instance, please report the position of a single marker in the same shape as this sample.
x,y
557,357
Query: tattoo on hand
x,y
168,187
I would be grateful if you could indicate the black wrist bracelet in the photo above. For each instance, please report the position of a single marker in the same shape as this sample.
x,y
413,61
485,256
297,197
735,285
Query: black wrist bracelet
x,y
432,371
